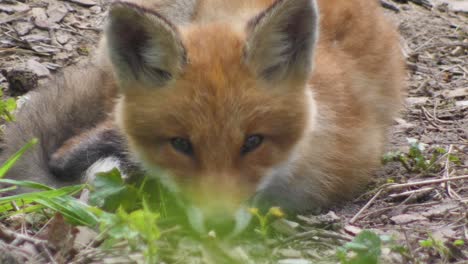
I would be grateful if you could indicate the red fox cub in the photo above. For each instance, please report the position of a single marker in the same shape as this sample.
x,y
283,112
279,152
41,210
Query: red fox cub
x,y
279,103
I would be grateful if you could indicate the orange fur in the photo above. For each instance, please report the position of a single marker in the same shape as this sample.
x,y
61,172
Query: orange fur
x,y
325,142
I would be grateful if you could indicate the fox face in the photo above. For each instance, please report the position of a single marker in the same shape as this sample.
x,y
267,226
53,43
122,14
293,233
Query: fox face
x,y
219,107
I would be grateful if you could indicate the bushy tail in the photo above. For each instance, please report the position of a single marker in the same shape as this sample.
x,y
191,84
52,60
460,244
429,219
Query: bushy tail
x,y
73,101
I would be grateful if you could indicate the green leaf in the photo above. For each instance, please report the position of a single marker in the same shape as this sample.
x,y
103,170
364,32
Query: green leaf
x,y
110,192
367,246
10,104
456,160
13,159
458,243
426,243
390,156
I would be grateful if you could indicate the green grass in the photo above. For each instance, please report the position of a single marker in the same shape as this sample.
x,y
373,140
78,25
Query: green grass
x,y
7,107
140,212
419,158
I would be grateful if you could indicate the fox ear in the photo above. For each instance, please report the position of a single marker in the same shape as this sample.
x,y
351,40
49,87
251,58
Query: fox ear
x,y
143,46
281,40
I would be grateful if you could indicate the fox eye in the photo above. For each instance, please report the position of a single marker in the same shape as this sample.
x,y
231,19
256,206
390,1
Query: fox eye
x,y
182,145
251,142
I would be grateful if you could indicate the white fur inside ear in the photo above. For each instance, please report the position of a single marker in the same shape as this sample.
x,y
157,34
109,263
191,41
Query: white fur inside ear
x,y
103,165
281,40
143,46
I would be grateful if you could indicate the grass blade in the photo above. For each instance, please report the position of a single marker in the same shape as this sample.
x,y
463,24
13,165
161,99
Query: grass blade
x,y
72,209
27,184
27,198
12,160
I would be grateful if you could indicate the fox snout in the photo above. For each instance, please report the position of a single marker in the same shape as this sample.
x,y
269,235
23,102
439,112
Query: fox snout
x,y
216,202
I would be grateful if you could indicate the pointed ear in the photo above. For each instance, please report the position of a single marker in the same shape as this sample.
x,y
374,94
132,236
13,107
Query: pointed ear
x,y
281,41
143,46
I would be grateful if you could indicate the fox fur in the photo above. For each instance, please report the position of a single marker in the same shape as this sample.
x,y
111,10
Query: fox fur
x,y
319,81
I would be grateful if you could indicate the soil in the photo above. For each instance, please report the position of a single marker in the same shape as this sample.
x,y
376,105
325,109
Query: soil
x,y
413,205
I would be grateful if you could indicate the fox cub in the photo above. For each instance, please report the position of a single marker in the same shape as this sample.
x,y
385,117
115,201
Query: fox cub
x,y
276,102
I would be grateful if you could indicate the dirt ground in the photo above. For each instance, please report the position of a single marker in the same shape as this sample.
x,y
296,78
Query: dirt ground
x,y
40,37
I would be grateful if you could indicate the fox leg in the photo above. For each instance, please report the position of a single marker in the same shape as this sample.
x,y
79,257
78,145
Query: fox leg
x,y
77,154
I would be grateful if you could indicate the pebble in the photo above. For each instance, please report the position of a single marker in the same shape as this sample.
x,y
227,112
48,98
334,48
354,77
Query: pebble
x,y
294,261
23,28
10,9
56,12
84,2
37,68
290,253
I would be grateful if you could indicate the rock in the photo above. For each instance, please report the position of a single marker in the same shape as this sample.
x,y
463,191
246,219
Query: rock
x,y
62,37
84,237
95,9
290,253
407,218
440,209
51,66
352,230
458,92
10,9
37,68
461,6
40,18
23,28
36,38
285,227
87,3
21,81
43,49
457,51
294,261
56,12
62,56
416,100
327,219
462,103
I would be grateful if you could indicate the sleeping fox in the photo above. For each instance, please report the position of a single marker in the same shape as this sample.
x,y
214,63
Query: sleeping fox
x,y
276,102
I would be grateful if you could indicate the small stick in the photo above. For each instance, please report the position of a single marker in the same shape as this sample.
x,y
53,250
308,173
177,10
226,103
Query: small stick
x,y
428,182
316,232
388,187
355,217
389,6
49,254
446,173
407,193
441,45
408,244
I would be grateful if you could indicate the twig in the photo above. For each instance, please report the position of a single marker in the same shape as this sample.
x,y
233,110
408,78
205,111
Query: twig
x,y
428,182
20,238
412,192
441,45
446,172
389,6
425,44
424,3
406,206
316,232
49,254
388,187
408,244
355,217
